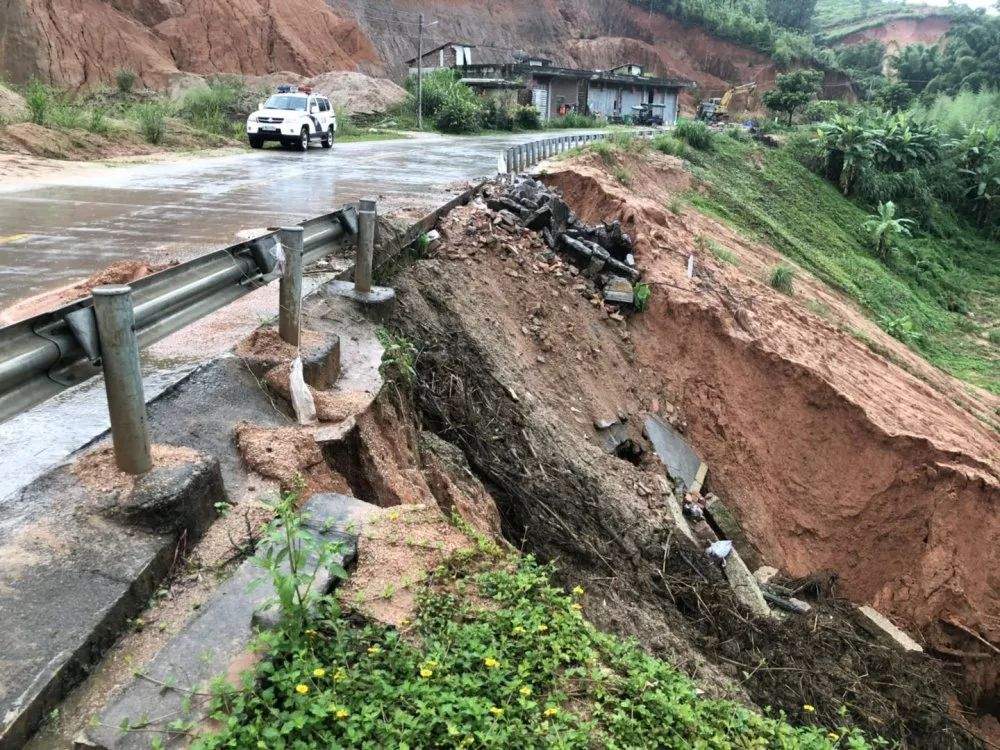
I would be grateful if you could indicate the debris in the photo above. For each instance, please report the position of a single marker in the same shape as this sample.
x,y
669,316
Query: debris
x,y
789,604
302,400
682,463
744,585
879,626
619,289
604,252
722,518
720,550
765,574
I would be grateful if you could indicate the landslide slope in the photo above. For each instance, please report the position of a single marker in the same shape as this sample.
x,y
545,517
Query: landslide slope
x,y
842,450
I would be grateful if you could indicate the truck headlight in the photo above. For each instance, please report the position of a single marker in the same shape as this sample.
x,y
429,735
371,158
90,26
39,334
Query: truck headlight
x,y
252,118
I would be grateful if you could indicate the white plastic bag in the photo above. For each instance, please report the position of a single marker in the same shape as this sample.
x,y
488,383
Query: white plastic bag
x,y
302,400
279,257
721,549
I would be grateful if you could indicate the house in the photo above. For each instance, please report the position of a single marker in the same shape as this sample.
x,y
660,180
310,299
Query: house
x,y
614,94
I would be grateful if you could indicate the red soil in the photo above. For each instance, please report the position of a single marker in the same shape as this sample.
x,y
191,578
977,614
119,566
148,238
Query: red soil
x,y
835,457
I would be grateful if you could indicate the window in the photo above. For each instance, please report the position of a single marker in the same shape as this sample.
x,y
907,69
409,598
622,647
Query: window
x,y
286,101
324,105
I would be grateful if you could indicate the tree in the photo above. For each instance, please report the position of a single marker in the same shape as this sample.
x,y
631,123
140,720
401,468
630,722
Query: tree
x,y
916,65
792,14
886,228
894,96
865,57
794,90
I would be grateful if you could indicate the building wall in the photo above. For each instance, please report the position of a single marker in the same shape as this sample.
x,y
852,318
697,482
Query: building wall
x,y
562,91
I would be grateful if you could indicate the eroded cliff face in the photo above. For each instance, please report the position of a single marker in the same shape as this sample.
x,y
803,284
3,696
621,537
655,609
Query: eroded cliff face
x,y
81,43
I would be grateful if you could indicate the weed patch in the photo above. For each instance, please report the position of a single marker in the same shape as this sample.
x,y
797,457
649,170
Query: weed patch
x,y
527,670
782,277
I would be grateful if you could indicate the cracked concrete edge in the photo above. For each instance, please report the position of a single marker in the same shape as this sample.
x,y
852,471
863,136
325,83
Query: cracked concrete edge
x,y
216,643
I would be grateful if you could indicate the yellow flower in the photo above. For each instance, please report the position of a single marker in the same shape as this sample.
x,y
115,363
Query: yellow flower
x,y
319,672
374,650
550,711
394,516
525,691
490,662
496,711
301,689
575,607
340,675
808,708
518,630
426,672
578,591
832,736
542,628
311,633
340,713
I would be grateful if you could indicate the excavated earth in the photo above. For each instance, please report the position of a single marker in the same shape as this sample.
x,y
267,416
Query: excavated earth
x,y
874,477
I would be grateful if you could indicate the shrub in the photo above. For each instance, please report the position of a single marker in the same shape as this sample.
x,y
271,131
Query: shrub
x,y
125,80
822,110
607,152
738,134
622,175
641,296
214,107
781,278
527,118
39,99
695,133
668,144
152,119
437,84
460,112
574,120
98,122
498,114
65,116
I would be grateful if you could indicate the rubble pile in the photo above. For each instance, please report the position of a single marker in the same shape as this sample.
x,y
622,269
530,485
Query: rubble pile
x,y
603,253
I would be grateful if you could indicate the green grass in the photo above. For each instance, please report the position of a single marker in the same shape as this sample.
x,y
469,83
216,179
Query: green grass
x,y
497,657
782,278
921,294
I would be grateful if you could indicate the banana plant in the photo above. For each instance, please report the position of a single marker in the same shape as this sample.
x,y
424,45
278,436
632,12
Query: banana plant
x,y
885,228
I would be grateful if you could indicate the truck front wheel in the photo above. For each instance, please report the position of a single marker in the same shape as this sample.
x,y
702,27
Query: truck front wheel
x,y
256,141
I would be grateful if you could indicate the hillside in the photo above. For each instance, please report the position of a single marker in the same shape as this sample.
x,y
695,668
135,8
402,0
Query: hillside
x,y
81,43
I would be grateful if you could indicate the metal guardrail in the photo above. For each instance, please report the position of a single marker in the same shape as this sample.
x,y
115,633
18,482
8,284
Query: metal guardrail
x,y
518,158
53,351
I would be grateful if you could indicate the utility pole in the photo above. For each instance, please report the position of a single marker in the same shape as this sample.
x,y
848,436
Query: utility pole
x,y
420,73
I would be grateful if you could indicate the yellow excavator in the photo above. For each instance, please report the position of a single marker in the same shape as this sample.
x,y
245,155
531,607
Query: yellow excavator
x,y
718,110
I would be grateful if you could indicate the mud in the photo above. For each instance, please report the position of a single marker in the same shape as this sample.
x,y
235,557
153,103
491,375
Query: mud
x,y
516,360
290,456
98,472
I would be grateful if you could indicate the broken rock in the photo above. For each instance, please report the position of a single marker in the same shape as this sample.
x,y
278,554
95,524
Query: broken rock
x,y
619,289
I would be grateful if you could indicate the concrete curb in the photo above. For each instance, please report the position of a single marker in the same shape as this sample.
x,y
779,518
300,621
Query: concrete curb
x,y
216,643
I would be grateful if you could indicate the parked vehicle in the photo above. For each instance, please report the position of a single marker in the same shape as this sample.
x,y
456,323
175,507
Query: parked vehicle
x,y
294,116
648,115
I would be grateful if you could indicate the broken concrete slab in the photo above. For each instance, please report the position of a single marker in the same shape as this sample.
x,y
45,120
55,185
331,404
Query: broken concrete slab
x,y
722,518
619,289
72,577
215,643
883,629
765,574
744,585
673,450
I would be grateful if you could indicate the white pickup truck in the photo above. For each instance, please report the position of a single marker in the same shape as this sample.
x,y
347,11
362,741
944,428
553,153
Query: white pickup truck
x,y
293,118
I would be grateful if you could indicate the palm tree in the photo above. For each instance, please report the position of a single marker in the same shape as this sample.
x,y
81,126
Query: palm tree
x,y
885,228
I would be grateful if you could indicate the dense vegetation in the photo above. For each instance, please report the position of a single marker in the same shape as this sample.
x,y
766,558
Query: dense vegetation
x,y
934,286
497,657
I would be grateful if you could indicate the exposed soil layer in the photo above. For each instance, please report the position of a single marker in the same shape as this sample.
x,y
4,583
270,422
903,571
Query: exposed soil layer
x,y
836,458
900,32
516,360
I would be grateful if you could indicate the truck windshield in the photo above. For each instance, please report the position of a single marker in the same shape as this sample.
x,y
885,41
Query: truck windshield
x,y
283,101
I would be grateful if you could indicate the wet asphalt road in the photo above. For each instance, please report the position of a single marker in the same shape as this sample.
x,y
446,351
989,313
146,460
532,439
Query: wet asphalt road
x,y
55,233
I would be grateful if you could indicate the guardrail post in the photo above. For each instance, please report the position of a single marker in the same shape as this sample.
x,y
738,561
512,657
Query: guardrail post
x,y
366,246
122,377
509,156
290,286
